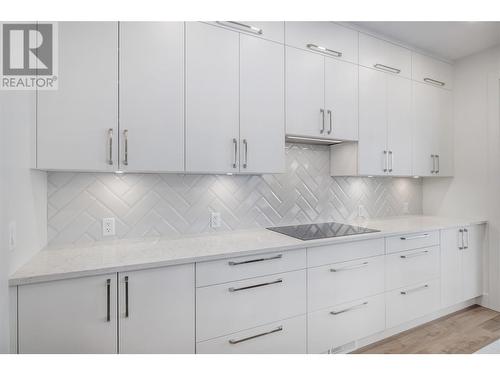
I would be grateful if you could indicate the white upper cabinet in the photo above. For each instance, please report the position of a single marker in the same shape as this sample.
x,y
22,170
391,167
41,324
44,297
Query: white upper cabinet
x,y
432,71
212,99
327,38
271,30
262,106
379,54
77,124
152,96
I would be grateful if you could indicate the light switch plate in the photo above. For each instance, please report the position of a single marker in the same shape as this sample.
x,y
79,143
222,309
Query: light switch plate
x,y
12,235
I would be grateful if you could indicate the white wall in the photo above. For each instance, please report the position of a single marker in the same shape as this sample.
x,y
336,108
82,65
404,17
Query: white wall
x,y
474,191
24,192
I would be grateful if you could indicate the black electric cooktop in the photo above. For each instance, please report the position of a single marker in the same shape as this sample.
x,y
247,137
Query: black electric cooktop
x,y
322,230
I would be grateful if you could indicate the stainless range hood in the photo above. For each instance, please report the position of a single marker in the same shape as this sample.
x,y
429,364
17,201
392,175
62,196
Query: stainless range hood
x,y
311,140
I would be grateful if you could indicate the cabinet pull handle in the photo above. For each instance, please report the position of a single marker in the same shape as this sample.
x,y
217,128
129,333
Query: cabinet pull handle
x,y
466,232
241,26
108,300
330,116
434,82
425,235
277,329
235,160
414,254
386,162
231,263
245,162
322,130
461,239
437,159
110,146
355,307
325,50
391,158
126,297
125,151
387,68
256,285
405,292
433,163
356,266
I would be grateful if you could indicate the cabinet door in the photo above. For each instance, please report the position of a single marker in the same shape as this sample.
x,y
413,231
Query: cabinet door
x,y
77,124
399,125
152,96
372,122
305,93
69,316
212,99
262,106
472,260
451,267
444,134
341,99
157,310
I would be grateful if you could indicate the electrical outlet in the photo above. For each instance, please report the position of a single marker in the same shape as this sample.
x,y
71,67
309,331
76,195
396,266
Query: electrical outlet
x,y
215,220
406,208
362,212
108,226
12,235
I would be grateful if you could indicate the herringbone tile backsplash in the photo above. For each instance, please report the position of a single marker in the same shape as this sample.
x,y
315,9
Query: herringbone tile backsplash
x,y
173,204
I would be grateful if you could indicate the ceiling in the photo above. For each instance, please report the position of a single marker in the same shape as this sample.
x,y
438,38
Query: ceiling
x,y
449,40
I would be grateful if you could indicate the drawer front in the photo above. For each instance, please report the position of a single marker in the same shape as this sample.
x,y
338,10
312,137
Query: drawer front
x,y
379,54
408,303
342,324
412,267
231,307
318,256
270,30
432,71
411,241
339,41
283,337
231,269
338,283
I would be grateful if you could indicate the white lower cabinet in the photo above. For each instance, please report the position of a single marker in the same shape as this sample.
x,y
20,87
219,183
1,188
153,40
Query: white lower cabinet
x,y
282,337
335,326
156,310
68,316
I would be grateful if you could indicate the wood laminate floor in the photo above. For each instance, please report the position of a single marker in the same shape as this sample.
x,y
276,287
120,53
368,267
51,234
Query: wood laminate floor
x,y
465,331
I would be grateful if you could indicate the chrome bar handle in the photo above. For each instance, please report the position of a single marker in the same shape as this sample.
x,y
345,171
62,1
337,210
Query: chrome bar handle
x,y
235,161
391,158
461,239
433,170
331,120
466,232
278,281
325,50
126,297
386,162
245,162
413,255
405,292
231,263
277,329
355,307
364,264
437,158
110,146
241,26
404,238
387,68
108,300
125,151
322,130
434,82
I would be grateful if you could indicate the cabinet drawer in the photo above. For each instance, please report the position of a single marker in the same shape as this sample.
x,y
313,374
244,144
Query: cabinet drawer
x,y
379,54
318,256
338,283
411,241
270,30
411,267
332,39
231,307
339,325
221,271
408,303
283,337
432,71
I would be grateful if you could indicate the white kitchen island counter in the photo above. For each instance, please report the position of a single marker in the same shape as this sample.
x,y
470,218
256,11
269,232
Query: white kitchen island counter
x,y
57,263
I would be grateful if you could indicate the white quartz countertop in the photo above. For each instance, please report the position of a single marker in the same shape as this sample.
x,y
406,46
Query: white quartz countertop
x,y
105,257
